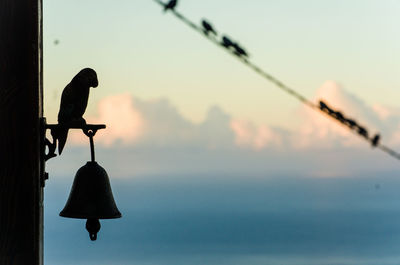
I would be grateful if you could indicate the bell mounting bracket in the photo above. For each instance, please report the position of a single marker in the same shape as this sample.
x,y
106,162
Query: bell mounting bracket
x,y
88,129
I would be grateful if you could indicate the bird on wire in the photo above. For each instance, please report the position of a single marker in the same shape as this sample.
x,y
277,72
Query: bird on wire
x,y
239,51
170,5
229,45
375,140
227,42
73,104
208,28
363,132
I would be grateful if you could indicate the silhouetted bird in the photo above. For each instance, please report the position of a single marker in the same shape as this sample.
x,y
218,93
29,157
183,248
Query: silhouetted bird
x,y
351,123
170,5
375,140
239,51
363,132
73,103
339,116
226,42
325,108
207,28
322,105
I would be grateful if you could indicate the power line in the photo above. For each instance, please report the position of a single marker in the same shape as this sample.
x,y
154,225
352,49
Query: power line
x,y
330,113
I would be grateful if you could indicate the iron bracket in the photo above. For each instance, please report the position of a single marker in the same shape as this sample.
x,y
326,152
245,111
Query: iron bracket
x,y
88,129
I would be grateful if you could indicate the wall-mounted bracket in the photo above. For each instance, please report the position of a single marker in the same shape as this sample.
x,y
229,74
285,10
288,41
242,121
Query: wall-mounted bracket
x,y
88,129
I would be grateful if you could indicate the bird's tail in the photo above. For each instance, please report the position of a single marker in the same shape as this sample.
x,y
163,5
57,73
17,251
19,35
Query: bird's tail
x,y
62,135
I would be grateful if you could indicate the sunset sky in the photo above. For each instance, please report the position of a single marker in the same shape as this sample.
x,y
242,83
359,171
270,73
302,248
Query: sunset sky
x,y
181,112
136,48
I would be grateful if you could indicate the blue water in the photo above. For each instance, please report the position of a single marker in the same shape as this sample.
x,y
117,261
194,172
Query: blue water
x,y
234,220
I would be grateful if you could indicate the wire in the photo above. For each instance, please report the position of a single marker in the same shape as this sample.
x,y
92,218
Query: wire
x,y
272,79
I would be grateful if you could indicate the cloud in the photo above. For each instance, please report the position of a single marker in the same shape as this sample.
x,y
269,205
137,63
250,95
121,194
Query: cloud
x,y
321,131
158,123
215,130
247,134
124,122
131,121
316,131
152,137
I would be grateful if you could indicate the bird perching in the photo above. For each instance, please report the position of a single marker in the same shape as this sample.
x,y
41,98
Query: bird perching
x,y
234,47
241,53
73,104
208,28
170,5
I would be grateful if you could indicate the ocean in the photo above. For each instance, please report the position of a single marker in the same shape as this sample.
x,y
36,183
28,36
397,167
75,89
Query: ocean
x,y
235,220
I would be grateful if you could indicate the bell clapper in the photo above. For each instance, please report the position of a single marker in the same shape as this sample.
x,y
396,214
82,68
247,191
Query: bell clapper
x,y
93,227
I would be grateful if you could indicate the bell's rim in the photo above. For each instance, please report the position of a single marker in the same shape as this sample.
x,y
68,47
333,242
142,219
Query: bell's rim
x,y
86,216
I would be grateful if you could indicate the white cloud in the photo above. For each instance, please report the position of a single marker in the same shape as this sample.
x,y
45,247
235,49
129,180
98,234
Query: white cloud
x,y
318,130
124,122
257,137
157,123
152,137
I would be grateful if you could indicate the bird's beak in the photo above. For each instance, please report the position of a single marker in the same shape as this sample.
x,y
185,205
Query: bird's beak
x,y
95,83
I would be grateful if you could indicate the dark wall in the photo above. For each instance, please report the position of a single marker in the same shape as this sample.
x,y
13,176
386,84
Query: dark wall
x,y
20,110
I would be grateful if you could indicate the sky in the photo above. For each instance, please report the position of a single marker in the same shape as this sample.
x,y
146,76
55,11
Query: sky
x,y
209,162
136,48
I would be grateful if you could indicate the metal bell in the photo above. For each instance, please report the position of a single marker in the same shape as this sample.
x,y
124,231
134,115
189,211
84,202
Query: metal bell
x,y
91,198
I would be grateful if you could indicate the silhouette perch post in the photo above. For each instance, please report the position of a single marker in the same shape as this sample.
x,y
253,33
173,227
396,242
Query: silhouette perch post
x,y
21,200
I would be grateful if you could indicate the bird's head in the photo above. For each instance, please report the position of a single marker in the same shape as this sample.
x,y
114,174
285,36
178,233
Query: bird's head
x,y
88,76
